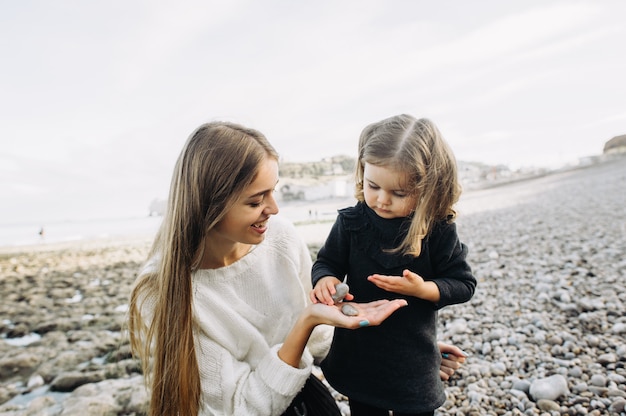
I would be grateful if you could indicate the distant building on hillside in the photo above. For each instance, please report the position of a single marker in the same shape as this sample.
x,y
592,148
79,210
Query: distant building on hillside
x,y
309,189
474,175
334,177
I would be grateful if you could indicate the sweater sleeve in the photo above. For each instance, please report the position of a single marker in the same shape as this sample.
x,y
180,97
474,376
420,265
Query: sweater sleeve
x,y
230,386
453,274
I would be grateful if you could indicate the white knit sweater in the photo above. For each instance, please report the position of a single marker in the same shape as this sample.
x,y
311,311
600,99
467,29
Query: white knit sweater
x,y
243,314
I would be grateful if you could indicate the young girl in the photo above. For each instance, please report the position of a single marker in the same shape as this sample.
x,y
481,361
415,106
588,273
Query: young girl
x,y
220,315
398,241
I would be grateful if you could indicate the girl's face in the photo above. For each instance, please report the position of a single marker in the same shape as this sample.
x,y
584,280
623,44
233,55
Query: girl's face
x,y
386,191
246,221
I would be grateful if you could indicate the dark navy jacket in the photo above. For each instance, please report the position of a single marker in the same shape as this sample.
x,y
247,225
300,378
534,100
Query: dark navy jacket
x,y
395,365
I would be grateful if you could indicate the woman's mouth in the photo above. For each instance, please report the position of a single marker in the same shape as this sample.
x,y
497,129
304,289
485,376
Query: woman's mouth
x,y
260,226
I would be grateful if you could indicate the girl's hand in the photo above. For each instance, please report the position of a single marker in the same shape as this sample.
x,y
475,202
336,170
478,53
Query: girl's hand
x,y
451,359
370,314
410,284
325,289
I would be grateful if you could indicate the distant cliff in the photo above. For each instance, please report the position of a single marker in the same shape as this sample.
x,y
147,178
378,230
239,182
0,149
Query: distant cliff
x,y
157,207
616,145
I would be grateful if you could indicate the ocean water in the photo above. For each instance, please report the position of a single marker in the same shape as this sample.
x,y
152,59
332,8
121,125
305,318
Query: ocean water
x,y
313,219
27,234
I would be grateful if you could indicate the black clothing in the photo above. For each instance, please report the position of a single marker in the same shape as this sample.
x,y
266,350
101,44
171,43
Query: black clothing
x,y
394,365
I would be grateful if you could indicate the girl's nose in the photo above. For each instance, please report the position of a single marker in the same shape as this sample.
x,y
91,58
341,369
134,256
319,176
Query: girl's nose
x,y
384,198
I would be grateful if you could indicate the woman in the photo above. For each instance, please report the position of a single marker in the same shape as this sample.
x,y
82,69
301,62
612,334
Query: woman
x,y
220,316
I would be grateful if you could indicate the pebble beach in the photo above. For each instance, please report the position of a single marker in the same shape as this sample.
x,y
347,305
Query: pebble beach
x,y
545,331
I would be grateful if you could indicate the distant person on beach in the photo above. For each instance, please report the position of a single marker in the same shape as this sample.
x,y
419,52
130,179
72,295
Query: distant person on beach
x,y
220,314
398,242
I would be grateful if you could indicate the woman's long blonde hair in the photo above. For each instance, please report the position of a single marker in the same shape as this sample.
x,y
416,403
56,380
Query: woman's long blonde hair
x,y
417,148
218,161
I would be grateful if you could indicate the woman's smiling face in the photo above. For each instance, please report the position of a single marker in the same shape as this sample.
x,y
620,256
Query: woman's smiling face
x,y
246,221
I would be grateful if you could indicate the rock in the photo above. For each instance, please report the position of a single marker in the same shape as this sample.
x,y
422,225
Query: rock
x,y
99,405
619,328
69,381
548,405
609,358
549,388
341,290
456,326
22,363
349,310
618,405
498,369
521,385
35,381
43,406
598,380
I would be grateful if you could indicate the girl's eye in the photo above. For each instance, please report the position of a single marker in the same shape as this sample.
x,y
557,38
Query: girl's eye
x,y
399,195
255,204
372,186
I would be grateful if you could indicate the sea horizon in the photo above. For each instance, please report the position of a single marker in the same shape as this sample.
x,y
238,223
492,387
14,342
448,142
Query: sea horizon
x,y
27,233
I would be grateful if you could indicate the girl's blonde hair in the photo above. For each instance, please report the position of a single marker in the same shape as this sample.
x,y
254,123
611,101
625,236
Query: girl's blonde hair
x,y
218,161
417,148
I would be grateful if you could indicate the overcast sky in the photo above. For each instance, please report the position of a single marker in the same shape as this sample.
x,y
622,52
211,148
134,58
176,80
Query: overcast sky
x,y
97,98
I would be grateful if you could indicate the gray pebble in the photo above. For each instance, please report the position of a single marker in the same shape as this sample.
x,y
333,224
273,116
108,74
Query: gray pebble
x,y
341,290
349,310
548,405
598,380
618,405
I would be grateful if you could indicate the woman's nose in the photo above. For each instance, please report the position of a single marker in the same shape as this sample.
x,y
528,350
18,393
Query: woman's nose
x,y
272,206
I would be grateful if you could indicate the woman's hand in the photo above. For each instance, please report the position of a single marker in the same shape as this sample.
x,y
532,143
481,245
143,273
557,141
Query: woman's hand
x,y
451,359
369,314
